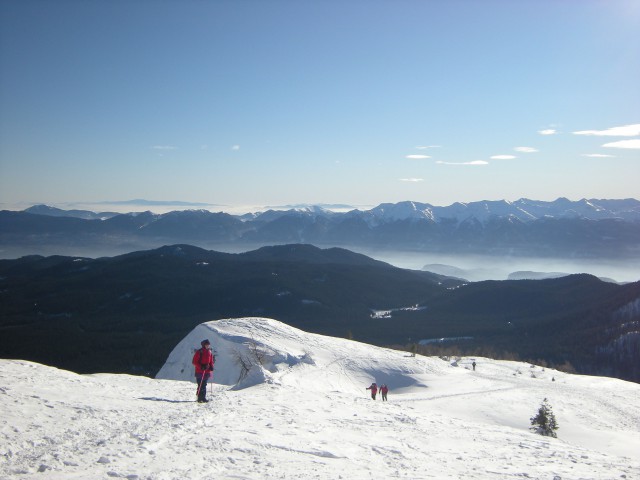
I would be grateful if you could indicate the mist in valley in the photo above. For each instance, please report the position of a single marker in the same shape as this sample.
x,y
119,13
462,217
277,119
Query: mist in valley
x,y
477,268
472,267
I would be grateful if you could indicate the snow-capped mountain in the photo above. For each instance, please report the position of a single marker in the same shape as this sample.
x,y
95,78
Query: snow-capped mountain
x,y
58,212
583,229
304,413
524,210
303,211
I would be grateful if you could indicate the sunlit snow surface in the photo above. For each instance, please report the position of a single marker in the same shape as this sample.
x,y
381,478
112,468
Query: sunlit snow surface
x,y
306,414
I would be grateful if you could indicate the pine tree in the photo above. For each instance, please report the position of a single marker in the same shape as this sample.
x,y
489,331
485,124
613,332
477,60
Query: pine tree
x,y
544,422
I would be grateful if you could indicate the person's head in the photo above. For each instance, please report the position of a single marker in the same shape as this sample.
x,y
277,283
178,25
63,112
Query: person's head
x,y
205,343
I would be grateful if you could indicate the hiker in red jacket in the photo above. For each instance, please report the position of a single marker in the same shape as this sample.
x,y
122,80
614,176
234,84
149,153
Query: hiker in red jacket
x,y
383,390
203,360
374,390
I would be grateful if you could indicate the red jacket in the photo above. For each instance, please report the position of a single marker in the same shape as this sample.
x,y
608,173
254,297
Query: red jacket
x,y
373,388
203,360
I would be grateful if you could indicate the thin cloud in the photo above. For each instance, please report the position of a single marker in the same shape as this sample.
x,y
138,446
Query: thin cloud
x,y
548,131
503,157
164,147
597,155
417,157
424,147
526,149
411,179
475,162
624,144
235,147
624,131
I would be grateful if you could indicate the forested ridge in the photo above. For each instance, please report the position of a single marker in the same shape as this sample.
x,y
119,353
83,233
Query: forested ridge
x,y
126,313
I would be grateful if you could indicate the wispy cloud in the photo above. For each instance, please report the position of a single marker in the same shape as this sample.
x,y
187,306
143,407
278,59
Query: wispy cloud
x,y
526,149
417,157
475,162
411,179
503,157
424,147
548,131
624,144
164,147
624,131
235,147
597,155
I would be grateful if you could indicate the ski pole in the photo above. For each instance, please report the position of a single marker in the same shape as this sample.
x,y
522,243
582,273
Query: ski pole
x,y
200,386
213,354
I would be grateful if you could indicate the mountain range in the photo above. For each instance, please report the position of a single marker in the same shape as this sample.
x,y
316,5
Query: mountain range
x,y
577,229
123,314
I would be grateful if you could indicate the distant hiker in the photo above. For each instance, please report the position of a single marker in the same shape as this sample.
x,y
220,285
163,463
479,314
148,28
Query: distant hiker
x,y
474,365
383,390
374,390
203,360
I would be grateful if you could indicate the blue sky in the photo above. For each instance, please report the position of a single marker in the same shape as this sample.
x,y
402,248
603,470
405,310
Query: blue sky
x,y
282,102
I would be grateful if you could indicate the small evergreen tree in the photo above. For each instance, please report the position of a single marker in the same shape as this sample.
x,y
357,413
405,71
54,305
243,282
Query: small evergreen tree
x,y
544,422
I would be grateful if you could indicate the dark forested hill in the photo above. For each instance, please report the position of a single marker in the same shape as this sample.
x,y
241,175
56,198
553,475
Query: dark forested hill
x,y
126,313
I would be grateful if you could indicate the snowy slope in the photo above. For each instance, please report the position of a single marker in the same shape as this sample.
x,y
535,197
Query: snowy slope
x,y
306,414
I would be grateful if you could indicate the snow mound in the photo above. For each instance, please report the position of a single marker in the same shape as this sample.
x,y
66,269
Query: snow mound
x,y
251,351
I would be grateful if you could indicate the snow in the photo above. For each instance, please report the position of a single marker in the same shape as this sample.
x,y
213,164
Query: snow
x,y
304,413
387,212
523,210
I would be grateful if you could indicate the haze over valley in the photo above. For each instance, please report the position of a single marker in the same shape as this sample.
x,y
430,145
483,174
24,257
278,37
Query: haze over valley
x,y
474,241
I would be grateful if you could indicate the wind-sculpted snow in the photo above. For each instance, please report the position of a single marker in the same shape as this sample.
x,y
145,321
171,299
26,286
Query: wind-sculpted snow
x,y
305,414
286,355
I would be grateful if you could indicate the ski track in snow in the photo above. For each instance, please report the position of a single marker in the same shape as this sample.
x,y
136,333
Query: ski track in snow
x,y
316,421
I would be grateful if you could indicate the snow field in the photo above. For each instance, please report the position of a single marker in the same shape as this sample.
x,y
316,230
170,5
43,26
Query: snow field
x,y
305,414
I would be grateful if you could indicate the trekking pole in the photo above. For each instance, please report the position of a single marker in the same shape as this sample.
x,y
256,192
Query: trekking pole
x,y
211,377
211,384
200,386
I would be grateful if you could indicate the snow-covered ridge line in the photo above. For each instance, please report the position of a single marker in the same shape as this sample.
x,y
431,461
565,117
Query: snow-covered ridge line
x,y
523,210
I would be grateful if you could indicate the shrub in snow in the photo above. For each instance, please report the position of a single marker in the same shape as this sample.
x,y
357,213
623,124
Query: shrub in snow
x,y
544,422
253,355
256,375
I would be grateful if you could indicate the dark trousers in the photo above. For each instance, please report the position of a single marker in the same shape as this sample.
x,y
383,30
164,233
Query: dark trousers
x,y
201,380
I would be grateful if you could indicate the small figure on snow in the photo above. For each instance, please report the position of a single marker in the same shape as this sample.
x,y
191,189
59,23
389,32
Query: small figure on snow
x,y
473,364
374,390
203,360
383,390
